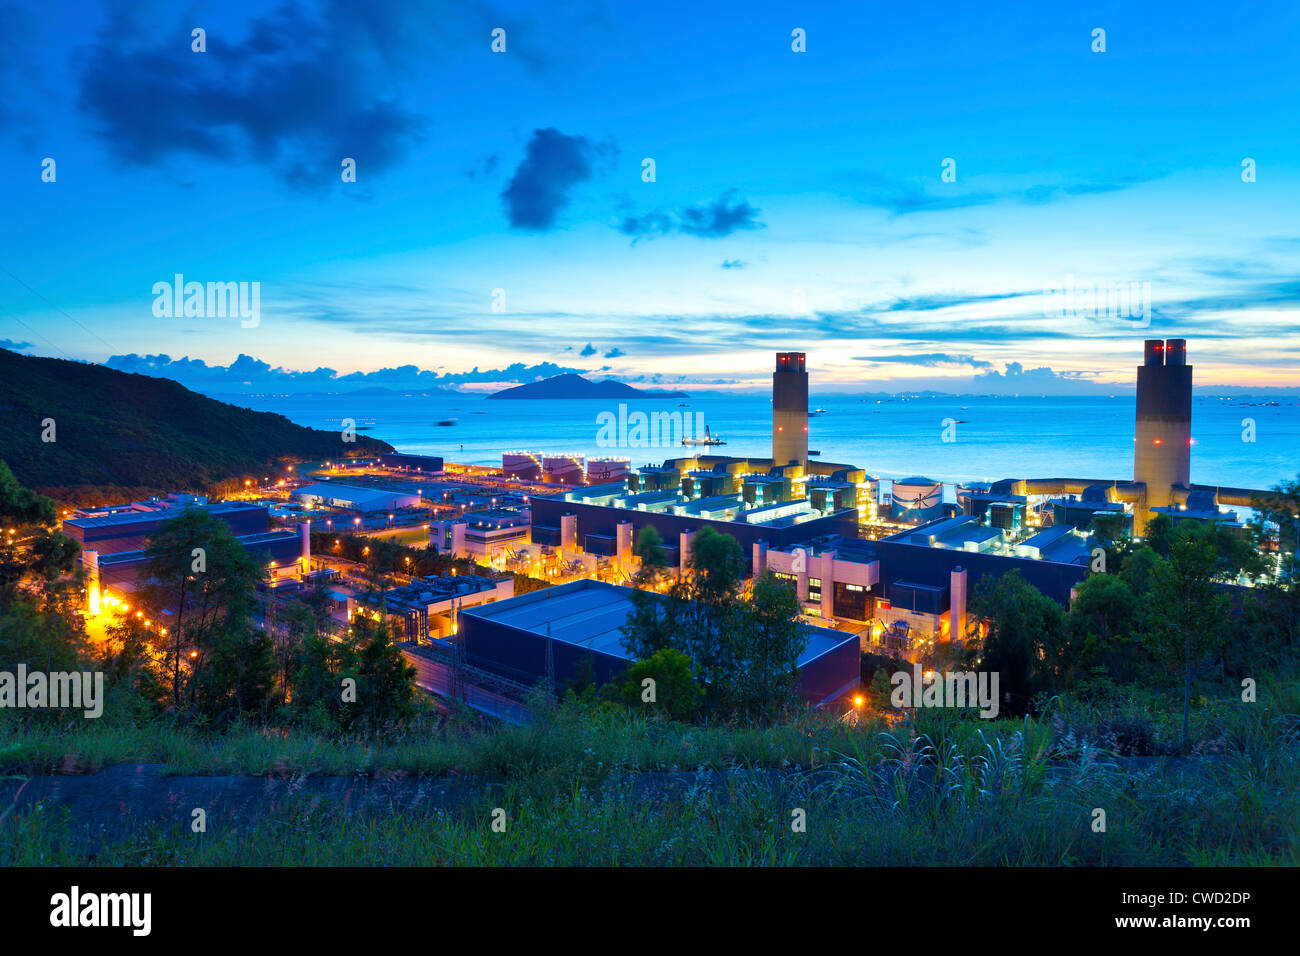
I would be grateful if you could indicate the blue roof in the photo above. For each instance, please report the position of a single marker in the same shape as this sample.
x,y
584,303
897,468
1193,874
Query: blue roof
x,y
591,614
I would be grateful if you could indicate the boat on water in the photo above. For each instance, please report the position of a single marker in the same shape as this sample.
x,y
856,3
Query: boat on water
x,y
445,422
708,439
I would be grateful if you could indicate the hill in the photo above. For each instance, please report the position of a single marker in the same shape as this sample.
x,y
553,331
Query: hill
x,y
575,386
119,430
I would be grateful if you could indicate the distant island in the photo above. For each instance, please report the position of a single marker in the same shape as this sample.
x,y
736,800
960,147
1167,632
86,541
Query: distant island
x,y
575,386
78,431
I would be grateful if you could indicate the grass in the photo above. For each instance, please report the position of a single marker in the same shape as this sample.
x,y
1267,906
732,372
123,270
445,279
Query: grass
x,y
941,788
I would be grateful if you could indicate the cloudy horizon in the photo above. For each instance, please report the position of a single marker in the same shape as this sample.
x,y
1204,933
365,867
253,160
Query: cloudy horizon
x,y
969,201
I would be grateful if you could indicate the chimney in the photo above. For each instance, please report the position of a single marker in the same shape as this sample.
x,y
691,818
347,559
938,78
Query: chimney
x,y
790,410
1162,440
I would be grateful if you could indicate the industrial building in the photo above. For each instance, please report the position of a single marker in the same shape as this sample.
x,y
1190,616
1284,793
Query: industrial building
x,y
329,494
114,541
111,530
1162,443
429,608
417,464
485,534
552,631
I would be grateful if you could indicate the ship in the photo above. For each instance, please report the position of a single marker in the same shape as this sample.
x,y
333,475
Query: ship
x,y
708,439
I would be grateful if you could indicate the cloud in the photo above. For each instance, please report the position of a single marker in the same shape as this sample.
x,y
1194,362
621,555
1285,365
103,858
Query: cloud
x,y
588,350
1017,373
901,197
734,263
552,165
928,360
247,374
615,353
714,220
14,346
302,88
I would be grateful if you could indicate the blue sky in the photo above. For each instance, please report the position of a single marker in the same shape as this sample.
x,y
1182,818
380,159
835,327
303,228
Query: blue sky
x,y
799,200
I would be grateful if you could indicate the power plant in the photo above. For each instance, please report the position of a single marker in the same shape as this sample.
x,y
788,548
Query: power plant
x,y
790,409
1162,448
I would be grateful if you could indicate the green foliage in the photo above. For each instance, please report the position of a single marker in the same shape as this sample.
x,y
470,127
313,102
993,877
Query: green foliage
x,y
743,648
1024,643
140,432
21,506
677,693
358,681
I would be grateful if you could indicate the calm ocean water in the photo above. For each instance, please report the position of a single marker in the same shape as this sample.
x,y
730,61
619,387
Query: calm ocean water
x,y
891,438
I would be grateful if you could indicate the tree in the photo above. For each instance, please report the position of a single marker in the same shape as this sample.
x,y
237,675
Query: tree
x,y
203,581
1186,612
22,506
1024,639
1102,622
1277,519
677,692
744,650
770,639
360,680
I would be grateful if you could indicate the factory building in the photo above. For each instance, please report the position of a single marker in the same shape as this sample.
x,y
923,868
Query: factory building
x,y
604,520
429,608
790,409
928,573
553,631
1005,512
416,464
115,541
329,494
128,527
486,534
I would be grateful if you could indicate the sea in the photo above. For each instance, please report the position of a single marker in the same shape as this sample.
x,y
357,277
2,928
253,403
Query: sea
x,y
1238,440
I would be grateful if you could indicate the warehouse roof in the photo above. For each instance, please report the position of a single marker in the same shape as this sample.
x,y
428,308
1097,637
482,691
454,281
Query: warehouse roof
x,y
328,489
590,614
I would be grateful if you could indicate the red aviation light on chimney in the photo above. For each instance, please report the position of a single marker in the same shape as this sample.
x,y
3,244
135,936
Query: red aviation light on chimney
x,y
805,428
1156,441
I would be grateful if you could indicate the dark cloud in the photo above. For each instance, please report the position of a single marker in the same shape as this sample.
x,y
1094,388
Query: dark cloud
x,y
14,346
714,220
301,88
734,263
588,350
552,165
615,353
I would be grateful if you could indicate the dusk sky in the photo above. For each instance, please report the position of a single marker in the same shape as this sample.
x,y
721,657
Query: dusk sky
x,y
799,200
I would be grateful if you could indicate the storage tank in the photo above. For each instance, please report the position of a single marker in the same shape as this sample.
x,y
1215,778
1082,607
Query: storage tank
x,y
916,500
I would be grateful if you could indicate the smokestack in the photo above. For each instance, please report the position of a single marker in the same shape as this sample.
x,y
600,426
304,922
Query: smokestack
x,y
1162,450
790,409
